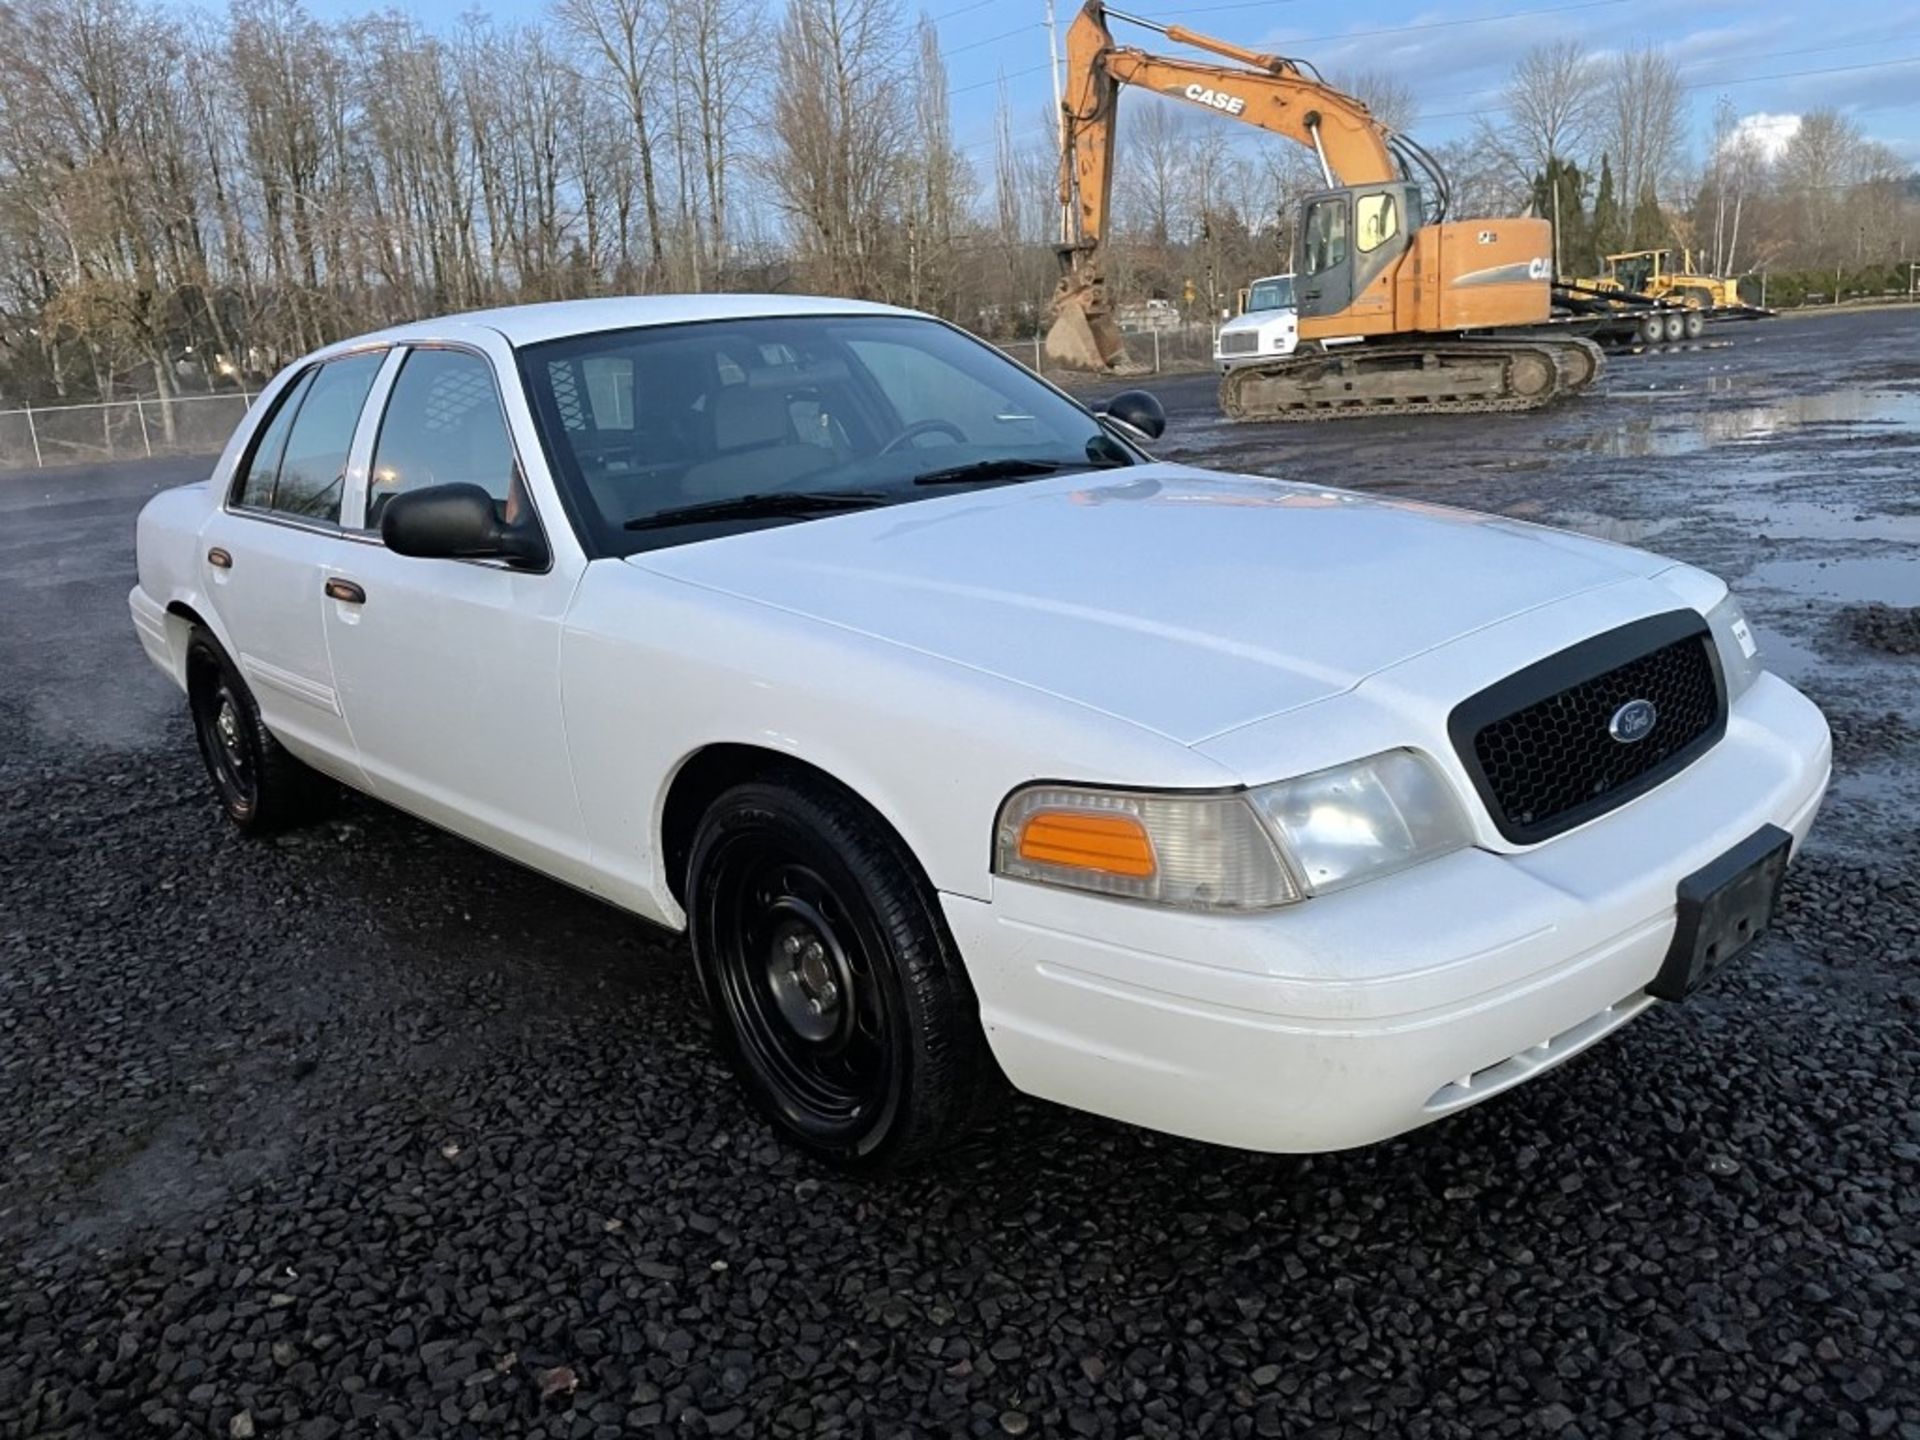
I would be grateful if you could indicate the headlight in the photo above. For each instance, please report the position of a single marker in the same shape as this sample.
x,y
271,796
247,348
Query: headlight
x,y
1739,650
1249,850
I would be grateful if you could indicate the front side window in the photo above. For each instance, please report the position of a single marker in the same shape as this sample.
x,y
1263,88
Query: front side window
x,y
443,425
642,425
1326,235
1377,219
298,466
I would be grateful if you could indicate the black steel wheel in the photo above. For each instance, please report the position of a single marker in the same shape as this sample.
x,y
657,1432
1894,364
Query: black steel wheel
x,y
260,786
834,988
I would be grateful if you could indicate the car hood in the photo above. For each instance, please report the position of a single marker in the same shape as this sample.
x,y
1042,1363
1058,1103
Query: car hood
x,y
1253,320
1185,601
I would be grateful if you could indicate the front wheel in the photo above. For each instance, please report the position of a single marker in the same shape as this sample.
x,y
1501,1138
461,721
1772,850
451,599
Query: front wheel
x,y
834,988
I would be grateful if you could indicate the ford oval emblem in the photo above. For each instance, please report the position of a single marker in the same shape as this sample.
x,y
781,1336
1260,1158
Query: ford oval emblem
x,y
1633,722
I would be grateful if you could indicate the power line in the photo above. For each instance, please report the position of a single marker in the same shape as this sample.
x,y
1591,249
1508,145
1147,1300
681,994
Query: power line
x,y
1493,90
1796,74
994,39
1011,75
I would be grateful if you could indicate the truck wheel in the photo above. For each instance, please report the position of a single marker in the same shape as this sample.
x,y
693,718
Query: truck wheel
x,y
1676,327
835,990
1696,325
261,787
1653,329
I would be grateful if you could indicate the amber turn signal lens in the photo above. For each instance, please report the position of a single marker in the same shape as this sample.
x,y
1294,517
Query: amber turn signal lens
x,y
1109,844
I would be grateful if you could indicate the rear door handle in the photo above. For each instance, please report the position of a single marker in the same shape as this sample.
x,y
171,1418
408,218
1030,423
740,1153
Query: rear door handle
x,y
219,559
347,592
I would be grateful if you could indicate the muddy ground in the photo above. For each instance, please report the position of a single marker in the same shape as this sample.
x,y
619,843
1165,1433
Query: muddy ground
x,y
365,1132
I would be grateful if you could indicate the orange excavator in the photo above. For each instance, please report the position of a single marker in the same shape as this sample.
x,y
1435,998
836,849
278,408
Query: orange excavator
x,y
1401,311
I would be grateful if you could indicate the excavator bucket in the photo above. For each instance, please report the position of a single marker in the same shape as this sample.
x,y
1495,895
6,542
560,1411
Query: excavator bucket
x,y
1083,335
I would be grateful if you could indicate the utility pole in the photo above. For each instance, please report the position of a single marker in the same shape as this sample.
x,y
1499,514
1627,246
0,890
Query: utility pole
x,y
1059,116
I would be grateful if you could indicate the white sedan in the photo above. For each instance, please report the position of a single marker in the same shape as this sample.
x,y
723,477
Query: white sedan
x,y
960,734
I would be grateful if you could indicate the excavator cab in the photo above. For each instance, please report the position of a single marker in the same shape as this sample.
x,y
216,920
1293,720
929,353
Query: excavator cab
x,y
1347,237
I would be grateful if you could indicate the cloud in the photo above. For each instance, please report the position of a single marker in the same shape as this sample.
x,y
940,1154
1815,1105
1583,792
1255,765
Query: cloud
x,y
1770,132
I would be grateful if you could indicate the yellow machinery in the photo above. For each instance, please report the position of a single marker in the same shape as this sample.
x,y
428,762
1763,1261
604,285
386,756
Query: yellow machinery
x,y
1401,311
1652,274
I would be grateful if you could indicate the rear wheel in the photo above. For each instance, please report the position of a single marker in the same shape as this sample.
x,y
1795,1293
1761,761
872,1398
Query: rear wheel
x,y
1676,325
835,990
1653,328
1696,325
260,786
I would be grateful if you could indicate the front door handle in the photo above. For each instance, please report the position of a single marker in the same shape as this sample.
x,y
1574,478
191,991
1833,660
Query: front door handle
x,y
219,559
347,592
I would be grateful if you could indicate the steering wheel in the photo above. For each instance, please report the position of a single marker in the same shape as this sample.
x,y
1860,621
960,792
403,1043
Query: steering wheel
x,y
925,427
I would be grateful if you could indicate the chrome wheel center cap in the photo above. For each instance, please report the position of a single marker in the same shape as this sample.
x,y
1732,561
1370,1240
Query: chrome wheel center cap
x,y
228,725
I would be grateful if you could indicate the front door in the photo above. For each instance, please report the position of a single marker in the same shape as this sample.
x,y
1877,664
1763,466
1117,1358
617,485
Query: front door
x,y
1324,284
449,670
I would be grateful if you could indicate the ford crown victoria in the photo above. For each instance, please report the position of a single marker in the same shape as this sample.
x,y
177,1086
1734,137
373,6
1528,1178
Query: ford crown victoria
x,y
964,739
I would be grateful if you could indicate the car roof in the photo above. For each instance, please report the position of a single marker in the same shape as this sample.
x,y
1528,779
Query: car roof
x,y
530,324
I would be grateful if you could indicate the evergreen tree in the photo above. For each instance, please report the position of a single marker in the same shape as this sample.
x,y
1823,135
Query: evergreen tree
x,y
1608,236
1562,181
1650,229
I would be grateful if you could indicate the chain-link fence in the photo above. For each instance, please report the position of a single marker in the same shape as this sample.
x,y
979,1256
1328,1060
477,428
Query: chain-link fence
x,y
1175,349
118,430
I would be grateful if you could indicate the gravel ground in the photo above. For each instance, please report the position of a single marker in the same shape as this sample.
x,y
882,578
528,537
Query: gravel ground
x,y
365,1132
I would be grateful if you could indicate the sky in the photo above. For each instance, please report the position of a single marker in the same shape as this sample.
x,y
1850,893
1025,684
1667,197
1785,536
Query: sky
x,y
1775,59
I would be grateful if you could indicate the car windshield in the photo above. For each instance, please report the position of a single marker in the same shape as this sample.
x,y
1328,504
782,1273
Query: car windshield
x,y
720,419
1273,293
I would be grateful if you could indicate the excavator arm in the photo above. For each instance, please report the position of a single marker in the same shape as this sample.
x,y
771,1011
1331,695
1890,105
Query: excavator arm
x,y
1268,91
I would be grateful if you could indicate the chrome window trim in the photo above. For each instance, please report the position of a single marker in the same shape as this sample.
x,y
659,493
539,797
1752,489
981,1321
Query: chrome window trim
x,y
271,412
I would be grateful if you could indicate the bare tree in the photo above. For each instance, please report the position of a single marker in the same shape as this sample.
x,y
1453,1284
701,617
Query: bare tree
x,y
839,121
625,39
1641,127
1389,97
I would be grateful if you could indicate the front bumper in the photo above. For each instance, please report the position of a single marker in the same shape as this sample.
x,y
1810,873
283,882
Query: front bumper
x,y
1359,1015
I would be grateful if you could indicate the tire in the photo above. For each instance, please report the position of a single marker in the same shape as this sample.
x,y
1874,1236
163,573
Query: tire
x,y
836,993
1653,329
1676,327
261,787
1696,324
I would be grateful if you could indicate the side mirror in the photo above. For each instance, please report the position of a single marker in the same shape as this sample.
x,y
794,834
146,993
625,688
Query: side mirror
x,y
1142,415
456,522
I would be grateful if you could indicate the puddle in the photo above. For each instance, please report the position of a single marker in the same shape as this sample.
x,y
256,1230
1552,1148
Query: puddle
x,y
1891,579
1786,658
1733,423
1807,520
1619,529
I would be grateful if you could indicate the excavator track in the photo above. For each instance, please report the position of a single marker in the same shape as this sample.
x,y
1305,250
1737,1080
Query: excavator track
x,y
1464,376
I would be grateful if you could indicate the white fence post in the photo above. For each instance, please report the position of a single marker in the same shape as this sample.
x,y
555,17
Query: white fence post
x,y
33,434
140,409
1156,349
1036,353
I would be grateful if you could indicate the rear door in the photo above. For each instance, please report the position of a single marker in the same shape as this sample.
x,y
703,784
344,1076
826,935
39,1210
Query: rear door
x,y
264,555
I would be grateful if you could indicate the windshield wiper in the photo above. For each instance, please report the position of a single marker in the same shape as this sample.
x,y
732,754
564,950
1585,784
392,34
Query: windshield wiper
x,y
1010,468
750,507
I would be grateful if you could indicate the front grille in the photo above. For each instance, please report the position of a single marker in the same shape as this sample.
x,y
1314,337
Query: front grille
x,y
1539,746
1240,342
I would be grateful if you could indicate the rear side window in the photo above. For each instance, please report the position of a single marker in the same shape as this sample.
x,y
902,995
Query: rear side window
x,y
263,467
299,466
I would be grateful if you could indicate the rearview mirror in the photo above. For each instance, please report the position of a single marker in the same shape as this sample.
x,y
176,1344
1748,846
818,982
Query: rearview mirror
x,y
1138,412
457,522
